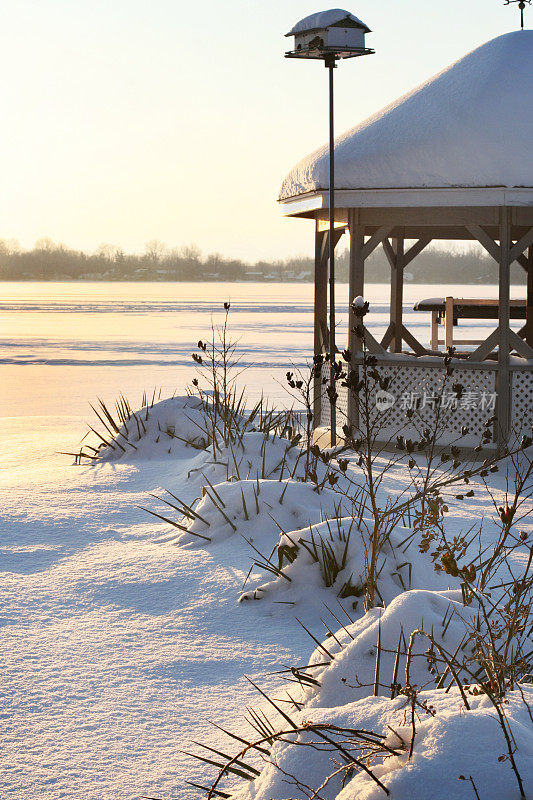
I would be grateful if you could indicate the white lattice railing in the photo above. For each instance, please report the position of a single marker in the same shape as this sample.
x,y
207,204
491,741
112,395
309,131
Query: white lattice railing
x,y
416,382
522,398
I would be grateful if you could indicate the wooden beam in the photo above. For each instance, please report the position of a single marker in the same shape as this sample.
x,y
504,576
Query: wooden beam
x,y
356,289
372,344
523,244
323,248
398,258
522,260
503,382
415,232
389,333
451,216
434,344
413,343
356,278
448,323
338,234
321,330
416,249
381,233
518,344
485,240
389,252
485,348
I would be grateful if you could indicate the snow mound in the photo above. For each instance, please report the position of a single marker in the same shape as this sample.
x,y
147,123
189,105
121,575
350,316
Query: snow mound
x,y
452,746
353,669
257,510
327,560
452,131
169,427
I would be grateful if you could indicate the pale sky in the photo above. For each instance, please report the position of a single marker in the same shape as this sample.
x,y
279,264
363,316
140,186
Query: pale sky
x,y
130,120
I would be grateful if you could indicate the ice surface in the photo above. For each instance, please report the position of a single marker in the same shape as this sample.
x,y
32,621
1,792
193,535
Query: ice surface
x,y
459,129
99,339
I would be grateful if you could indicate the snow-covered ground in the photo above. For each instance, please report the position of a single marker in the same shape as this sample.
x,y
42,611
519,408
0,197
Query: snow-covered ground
x,y
116,648
122,637
118,645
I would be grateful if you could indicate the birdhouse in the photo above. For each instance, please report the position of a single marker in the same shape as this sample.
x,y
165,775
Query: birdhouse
x,y
329,32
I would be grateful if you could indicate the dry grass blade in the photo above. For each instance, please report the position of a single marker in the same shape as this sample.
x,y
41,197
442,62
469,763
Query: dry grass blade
x,y
240,739
220,510
339,622
280,711
175,524
220,500
239,763
215,793
189,508
319,644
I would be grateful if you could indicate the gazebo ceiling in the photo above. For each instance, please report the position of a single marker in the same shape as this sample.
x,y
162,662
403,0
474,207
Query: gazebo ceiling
x,y
463,138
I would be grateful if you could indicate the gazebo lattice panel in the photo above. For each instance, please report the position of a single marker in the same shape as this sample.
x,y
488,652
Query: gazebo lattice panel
x,y
522,393
417,387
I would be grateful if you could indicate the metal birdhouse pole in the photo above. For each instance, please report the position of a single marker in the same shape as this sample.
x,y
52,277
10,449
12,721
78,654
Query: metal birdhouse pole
x,y
329,63
330,36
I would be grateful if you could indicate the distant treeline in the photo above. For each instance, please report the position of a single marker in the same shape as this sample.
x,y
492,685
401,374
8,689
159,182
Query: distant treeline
x,y
49,261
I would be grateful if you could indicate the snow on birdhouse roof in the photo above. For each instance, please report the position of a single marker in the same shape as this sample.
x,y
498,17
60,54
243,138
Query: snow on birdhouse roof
x,y
325,19
468,126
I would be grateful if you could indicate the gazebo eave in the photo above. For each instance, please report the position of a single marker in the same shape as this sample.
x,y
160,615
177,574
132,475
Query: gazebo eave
x,y
308,203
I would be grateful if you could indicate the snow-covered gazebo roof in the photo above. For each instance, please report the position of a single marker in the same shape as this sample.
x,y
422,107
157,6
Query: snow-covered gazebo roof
x,y
463,138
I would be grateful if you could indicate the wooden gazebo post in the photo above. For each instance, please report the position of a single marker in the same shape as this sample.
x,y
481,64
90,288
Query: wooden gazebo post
x,y
356,289
503,384
529,301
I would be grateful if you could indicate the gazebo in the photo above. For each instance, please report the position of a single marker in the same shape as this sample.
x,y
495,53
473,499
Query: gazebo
x,y
451,160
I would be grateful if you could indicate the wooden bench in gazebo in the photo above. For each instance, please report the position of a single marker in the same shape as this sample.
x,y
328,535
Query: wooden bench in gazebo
x,y
443,163
448,311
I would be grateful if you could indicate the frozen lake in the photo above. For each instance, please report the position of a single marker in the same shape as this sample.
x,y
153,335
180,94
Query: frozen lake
x,y
64,344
